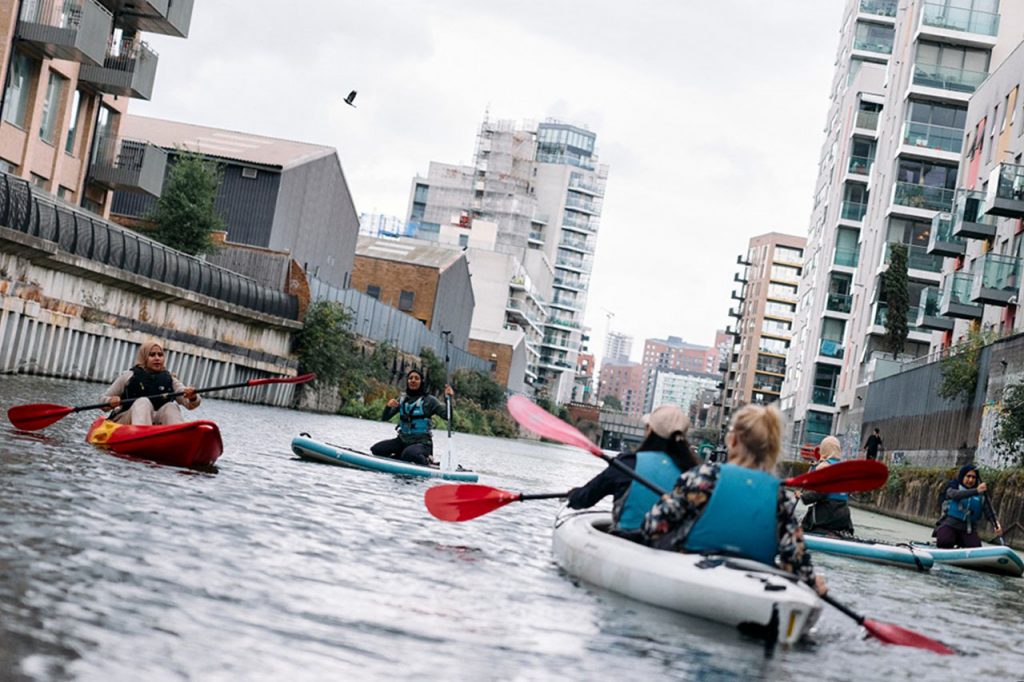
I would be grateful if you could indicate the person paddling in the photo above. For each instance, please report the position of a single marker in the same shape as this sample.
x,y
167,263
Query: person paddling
x,y
827,513
963,506
146,380
416,410
662,456
739,508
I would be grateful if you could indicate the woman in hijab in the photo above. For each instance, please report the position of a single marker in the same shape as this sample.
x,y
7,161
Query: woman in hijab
x,y
144,384
415,410
963,504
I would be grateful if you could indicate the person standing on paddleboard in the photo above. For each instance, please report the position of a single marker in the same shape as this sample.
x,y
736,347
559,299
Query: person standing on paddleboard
x,y
739,508
416,410
145,381
827,513
962,508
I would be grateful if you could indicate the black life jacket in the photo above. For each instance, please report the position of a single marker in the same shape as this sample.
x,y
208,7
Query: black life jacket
x,y
145,384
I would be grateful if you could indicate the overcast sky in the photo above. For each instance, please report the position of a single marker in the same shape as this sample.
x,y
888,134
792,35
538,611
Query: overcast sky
x,y
710,115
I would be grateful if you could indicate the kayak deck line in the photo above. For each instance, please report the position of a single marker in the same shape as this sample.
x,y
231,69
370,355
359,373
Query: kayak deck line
x,y
311,449
902,555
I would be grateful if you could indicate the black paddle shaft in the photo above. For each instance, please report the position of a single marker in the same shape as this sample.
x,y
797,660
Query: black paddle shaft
x,y
167,396
542,496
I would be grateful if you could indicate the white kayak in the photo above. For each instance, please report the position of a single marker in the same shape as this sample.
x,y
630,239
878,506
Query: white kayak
x,y
990,559
753,597
905,556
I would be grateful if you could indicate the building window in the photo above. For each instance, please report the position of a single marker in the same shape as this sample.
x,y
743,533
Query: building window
x,y
463,240
405,300
16,97
51,107
373,291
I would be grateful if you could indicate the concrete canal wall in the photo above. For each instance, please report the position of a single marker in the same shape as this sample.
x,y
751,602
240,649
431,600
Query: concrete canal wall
x,y
67,316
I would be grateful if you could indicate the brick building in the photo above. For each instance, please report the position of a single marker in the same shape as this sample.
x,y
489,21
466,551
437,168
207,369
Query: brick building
x,y
625,382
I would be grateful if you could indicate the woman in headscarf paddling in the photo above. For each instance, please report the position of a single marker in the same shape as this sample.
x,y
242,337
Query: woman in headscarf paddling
x,y
416,410
144,384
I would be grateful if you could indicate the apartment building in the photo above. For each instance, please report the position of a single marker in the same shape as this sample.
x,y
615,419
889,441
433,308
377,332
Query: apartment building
x,y
71,68
888,174
542,185
673,354
618,347
767,294
623,381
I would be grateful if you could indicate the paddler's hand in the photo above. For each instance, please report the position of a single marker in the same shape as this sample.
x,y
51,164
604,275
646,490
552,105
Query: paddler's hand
x,y
448,391
191,399
819,585
393,402
999,530
114,401
982,487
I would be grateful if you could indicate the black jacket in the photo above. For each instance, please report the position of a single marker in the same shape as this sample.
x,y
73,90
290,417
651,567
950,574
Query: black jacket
x,y
611,481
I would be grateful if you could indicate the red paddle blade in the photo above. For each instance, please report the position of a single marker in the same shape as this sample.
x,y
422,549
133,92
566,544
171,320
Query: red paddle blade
x,y
465,501
535,418
37,416
894,634
851,476
301,379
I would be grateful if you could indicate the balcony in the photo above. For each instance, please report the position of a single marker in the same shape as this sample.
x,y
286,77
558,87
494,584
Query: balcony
x,y
579,245
859,165
882,313
866,120
572,283
129,70
565,304
941,241
535,237
853,210
996,280
965,20
922,196
167,17
928,311
75,30
736,312
587,188
740,260
578,223
949,78
879,8
938,138
831,348
969,219
822,395
1005,195
133,166
570,264
839,303
955,300
846,257
740,277
580,204
918,258
558,322
878,44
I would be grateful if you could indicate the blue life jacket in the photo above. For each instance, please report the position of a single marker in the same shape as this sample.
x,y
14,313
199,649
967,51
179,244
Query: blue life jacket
x,y
840,497
740,517
656,467
412,418
968,509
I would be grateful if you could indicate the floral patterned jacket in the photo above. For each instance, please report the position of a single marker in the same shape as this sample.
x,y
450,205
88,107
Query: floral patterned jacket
x,y
671,519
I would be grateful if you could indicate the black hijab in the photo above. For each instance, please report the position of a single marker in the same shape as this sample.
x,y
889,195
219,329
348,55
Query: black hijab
x,y
421,391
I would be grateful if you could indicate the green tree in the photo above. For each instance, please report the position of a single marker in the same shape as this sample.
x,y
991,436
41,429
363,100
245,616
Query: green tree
x,y
326,346
184,214
612,403
960,366
479,387
894,285
1009,434
435,376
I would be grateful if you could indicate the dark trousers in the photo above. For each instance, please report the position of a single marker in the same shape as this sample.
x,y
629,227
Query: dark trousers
x,y
947,538
872,455
415,453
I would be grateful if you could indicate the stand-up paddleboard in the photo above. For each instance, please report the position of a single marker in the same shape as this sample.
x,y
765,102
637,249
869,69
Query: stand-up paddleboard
x,y
1001,560
904,556
314,450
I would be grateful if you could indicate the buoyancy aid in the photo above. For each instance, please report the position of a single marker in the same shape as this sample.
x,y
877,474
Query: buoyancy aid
x,y
146,384
839,497
967,509
413,421
656,467
740,517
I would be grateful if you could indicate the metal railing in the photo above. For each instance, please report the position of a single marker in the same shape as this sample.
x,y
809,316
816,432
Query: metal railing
x,y
26,210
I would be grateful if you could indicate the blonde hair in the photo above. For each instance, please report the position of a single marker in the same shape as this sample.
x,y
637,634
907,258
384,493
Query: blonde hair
x,y
758,432
143,355
830,447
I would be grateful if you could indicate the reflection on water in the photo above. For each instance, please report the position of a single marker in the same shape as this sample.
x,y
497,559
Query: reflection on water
x,y
275,568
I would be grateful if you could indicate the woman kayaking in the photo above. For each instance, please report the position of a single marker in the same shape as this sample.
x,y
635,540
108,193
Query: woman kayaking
x,y
963,506
415,410
827,513
143,383
738,508
661,457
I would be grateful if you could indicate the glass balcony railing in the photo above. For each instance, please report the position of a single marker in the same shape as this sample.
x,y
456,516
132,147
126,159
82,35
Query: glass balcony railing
x,y
969,218
846,257
948,77
882,8
957,288
882,313
822,395
998,278
931,297
839,303
942,138
959,19
941,240
868,120
860,165
536,236
873,44
923,196
1006,191
918,258
830,348
854,210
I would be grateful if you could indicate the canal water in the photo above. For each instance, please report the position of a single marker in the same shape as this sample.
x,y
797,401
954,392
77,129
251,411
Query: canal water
x,y
273,568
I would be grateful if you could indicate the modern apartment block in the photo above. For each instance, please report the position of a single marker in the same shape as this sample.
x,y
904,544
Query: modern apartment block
x,y
543,187
678,387
618,347
70,68
673,354
767,293
888,174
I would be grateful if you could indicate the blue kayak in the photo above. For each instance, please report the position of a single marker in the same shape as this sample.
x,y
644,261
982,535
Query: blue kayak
x,y
994,559
310,449
905,556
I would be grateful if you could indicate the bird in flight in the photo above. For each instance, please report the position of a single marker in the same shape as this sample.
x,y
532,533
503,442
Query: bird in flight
x,y
351,99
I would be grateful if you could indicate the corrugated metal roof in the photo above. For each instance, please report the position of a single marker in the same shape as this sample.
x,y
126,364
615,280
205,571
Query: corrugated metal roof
x,y
225,144
410,251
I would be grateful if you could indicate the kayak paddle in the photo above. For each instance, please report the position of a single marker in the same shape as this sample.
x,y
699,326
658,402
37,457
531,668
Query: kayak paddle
x,y
465,501
988,504
852,476
40,415
889,633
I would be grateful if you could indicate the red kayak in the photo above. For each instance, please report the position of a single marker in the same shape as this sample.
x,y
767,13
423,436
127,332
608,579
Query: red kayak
x,y
189,444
